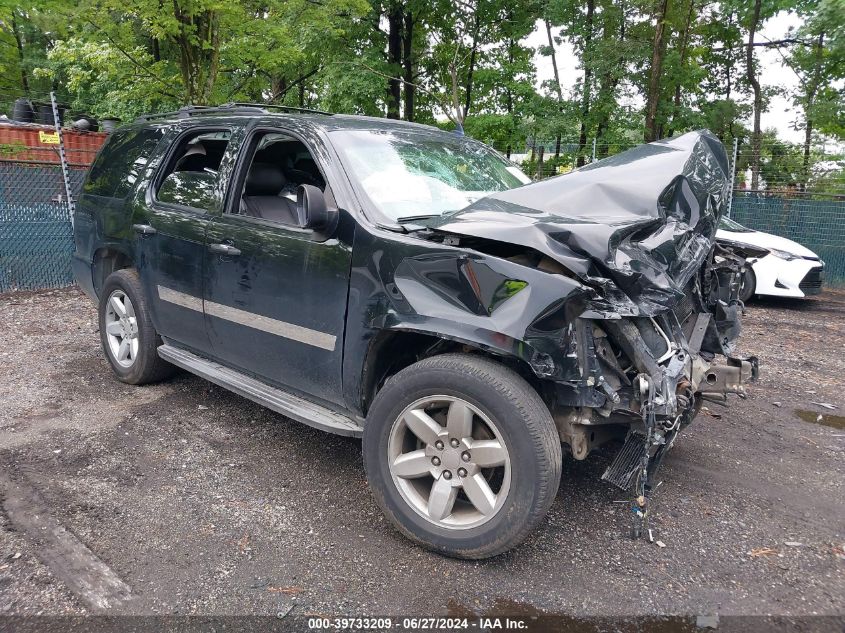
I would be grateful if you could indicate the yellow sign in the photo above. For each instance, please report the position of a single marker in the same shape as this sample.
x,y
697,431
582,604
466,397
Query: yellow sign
x,y
49,138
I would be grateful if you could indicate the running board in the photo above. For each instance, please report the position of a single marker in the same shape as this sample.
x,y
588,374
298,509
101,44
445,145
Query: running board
x,y
273,398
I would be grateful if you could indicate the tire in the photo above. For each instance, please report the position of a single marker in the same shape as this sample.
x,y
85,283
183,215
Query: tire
x,y
141,364
748,286
503,406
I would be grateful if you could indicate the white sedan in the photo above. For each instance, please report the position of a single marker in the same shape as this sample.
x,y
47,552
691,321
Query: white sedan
x,y
789,270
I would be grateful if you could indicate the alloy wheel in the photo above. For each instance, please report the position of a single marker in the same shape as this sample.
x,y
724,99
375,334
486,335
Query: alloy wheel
x,y
121,328
449,462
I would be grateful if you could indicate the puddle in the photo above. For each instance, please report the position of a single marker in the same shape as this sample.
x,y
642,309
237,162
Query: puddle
x,y
835,421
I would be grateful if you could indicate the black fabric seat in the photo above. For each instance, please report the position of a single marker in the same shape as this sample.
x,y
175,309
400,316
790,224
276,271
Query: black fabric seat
x,y
261,197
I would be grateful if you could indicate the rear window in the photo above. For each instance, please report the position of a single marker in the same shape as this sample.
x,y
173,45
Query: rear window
x,y
121,161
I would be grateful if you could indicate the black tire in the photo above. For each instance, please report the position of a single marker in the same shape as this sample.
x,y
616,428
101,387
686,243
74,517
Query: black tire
x,y
147,366
526,427
748,286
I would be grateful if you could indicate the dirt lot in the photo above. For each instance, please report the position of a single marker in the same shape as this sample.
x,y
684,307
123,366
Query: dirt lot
x,y
202,502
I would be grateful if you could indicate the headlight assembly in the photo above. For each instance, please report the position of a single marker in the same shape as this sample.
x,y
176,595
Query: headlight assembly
x,y
783,254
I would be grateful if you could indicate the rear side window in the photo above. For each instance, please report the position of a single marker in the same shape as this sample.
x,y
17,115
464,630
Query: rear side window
x,y
121,161
191,177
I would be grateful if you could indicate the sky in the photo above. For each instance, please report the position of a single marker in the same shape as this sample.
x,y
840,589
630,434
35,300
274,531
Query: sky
x,y
780,114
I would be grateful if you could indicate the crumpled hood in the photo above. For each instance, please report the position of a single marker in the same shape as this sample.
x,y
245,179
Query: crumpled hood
x,y
641,222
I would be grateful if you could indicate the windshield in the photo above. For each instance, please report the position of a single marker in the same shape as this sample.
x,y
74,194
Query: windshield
x,y
409,175
726,224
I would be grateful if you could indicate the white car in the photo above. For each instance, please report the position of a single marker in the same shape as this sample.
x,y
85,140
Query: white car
x,y
789,270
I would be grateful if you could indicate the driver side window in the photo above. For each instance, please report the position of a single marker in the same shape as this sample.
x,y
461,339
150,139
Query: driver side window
x,y
279,164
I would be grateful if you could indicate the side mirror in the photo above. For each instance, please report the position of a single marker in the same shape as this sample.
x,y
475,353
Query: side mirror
x,y
312,209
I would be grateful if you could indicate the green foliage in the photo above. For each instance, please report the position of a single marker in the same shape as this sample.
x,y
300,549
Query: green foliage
x,y
434,61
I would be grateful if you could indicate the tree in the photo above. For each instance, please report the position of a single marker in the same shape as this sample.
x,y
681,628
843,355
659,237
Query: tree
x,y
818,59
658,53
142,54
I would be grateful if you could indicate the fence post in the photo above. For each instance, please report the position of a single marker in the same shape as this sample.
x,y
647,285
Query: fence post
x,y
593,156
733,179
62,156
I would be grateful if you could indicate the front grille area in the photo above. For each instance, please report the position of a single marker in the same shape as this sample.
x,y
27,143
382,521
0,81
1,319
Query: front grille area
x,y
812,282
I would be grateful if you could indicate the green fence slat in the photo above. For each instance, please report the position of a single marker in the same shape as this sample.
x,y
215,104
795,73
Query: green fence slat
x,y
818,224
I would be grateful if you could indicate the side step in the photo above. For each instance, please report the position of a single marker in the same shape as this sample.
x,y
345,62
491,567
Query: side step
x,y
624,466
275,399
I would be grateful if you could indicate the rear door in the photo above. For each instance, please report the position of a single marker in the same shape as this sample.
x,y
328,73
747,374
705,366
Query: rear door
x,y
275,294
170,230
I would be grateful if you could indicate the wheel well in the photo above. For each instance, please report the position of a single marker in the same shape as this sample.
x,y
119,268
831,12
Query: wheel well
x,y
392,351
106,261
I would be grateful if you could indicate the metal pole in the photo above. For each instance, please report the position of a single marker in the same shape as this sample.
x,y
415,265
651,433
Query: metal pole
x,y
733,179
62,156
593,157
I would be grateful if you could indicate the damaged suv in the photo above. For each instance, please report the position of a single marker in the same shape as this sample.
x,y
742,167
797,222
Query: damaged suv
x,y
392,281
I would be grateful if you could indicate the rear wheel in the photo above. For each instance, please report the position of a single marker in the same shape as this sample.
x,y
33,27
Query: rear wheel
x,y
462,455
129,339
747,286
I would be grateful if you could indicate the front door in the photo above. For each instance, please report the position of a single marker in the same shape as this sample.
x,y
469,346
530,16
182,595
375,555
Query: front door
x,y
170,233
275,294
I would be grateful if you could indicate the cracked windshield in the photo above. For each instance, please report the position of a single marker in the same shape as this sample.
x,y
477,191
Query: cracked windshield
x,y
409,176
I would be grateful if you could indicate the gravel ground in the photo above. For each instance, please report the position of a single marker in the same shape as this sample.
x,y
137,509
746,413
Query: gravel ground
x,y
204,503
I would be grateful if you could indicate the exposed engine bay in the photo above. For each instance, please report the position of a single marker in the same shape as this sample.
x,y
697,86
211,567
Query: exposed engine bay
x,y
646,330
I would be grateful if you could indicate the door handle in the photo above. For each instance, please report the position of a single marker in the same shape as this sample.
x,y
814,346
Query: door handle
x,y
224,249
144,229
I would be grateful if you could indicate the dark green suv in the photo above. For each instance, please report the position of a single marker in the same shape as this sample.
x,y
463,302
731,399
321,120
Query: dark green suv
x,y
393,281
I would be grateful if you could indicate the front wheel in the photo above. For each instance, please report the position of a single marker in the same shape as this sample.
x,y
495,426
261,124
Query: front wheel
x,y
462,455
747,286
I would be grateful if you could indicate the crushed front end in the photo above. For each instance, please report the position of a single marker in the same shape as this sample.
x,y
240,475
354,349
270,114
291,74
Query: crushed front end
x,y
647,330
656,371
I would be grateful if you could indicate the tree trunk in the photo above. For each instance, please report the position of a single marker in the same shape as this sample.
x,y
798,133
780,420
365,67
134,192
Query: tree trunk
x,y
676,102
471,68
587,58
758,96
607,87
456,114
658,52
812,89
198,41
508,91
729,64
156,42
408,63
278,88
558,88
19,45
539,174
394,59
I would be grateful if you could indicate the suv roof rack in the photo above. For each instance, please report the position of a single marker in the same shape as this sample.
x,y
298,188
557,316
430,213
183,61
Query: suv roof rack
x,y
272,106
238,107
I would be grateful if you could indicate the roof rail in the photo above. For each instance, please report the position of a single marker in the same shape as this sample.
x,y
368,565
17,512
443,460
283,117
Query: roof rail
x,y
188,111
272,106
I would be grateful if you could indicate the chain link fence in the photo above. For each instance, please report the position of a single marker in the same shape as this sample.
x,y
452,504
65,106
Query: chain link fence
x,y
797,195
36,234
